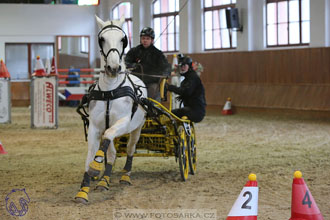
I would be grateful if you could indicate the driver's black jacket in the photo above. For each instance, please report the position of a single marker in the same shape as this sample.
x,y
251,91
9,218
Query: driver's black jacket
x,y
152,60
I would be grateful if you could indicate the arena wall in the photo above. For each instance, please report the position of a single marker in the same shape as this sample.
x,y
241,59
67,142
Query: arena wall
x,y
282,79
20,93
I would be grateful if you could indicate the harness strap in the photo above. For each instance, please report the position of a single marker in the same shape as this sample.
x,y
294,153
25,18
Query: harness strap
x,y
138,94
83,113
107,118
112,94
137,89
98,95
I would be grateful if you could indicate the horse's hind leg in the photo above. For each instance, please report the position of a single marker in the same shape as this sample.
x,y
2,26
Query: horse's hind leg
x,y
104,183
82,195
131,145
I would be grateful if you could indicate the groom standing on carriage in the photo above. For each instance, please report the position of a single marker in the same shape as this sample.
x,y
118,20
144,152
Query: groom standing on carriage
x,y
148,62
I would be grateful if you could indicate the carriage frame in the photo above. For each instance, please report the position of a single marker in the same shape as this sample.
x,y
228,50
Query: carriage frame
x,y
165,135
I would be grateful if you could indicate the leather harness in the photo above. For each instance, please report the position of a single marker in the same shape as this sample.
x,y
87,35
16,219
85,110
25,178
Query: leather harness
x,y
99,95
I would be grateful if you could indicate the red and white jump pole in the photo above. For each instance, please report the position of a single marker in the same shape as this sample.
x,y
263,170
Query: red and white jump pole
x,y
70,84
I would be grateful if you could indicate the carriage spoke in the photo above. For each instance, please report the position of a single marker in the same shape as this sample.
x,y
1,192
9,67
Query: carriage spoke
x,y
183,153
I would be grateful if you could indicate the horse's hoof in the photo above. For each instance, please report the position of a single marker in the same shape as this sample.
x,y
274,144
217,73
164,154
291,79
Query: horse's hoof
x,y
82,196
81,200
125,180
101,188
104,184
96,166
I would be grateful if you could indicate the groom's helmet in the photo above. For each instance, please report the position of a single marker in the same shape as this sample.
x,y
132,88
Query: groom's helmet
x,y
185,60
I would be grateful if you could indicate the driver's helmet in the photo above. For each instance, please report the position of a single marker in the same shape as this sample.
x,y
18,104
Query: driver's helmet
x,y
147,31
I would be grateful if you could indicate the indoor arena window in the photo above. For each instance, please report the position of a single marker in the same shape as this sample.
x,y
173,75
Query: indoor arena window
x,y
125,8
216,33
166,24
53,2
21,58
288,22
84,44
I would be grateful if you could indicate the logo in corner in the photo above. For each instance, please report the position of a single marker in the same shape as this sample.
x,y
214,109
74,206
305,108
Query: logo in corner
x,y
17,202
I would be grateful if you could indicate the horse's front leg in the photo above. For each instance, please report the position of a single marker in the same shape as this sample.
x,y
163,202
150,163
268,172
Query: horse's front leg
x,y
104,183
131,146
93,143
116,130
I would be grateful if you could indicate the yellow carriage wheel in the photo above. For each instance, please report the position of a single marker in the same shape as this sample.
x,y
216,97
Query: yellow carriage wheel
x,y
183,153
192,151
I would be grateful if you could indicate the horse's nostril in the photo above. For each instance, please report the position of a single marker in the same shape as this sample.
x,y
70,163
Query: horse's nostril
x,y
113,70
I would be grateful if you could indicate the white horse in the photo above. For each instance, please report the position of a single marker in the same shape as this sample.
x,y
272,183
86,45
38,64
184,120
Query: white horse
x,y
111,118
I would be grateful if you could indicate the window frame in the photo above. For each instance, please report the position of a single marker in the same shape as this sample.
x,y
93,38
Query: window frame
x,y
129,22
176,34
288,25
30,58
218,8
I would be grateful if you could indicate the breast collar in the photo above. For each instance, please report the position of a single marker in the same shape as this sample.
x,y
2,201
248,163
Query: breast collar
x,y
107,96
120,91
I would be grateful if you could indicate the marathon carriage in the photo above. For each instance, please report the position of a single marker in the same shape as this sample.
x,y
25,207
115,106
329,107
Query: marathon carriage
x,y
163,135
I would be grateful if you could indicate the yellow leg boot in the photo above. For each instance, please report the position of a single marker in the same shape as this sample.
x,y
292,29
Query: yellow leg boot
x,y
104,184
97,165
82,195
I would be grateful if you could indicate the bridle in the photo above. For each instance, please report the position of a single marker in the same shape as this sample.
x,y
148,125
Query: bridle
x,y
101,40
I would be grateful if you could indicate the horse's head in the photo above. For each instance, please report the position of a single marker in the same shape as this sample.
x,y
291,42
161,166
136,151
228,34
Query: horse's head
x,y
112,41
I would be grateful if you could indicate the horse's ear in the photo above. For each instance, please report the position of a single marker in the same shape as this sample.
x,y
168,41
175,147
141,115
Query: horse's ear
x,y
122,20
99,21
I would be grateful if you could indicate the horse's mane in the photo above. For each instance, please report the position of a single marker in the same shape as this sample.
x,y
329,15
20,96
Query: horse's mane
x,y
114,22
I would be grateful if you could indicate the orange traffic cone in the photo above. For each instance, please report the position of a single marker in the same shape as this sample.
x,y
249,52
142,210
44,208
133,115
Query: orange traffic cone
x,y
227,108
3,70
303,205
39,68
2,150
53,70
246,205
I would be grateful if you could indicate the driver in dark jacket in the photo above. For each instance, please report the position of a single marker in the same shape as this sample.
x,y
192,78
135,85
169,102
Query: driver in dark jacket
x,y
147,59
191,92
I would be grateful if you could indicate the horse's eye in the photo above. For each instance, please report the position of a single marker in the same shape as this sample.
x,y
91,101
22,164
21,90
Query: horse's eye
x,y
101,39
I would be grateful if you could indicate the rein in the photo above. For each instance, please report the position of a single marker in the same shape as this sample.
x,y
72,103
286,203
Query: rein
x,y
143,74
